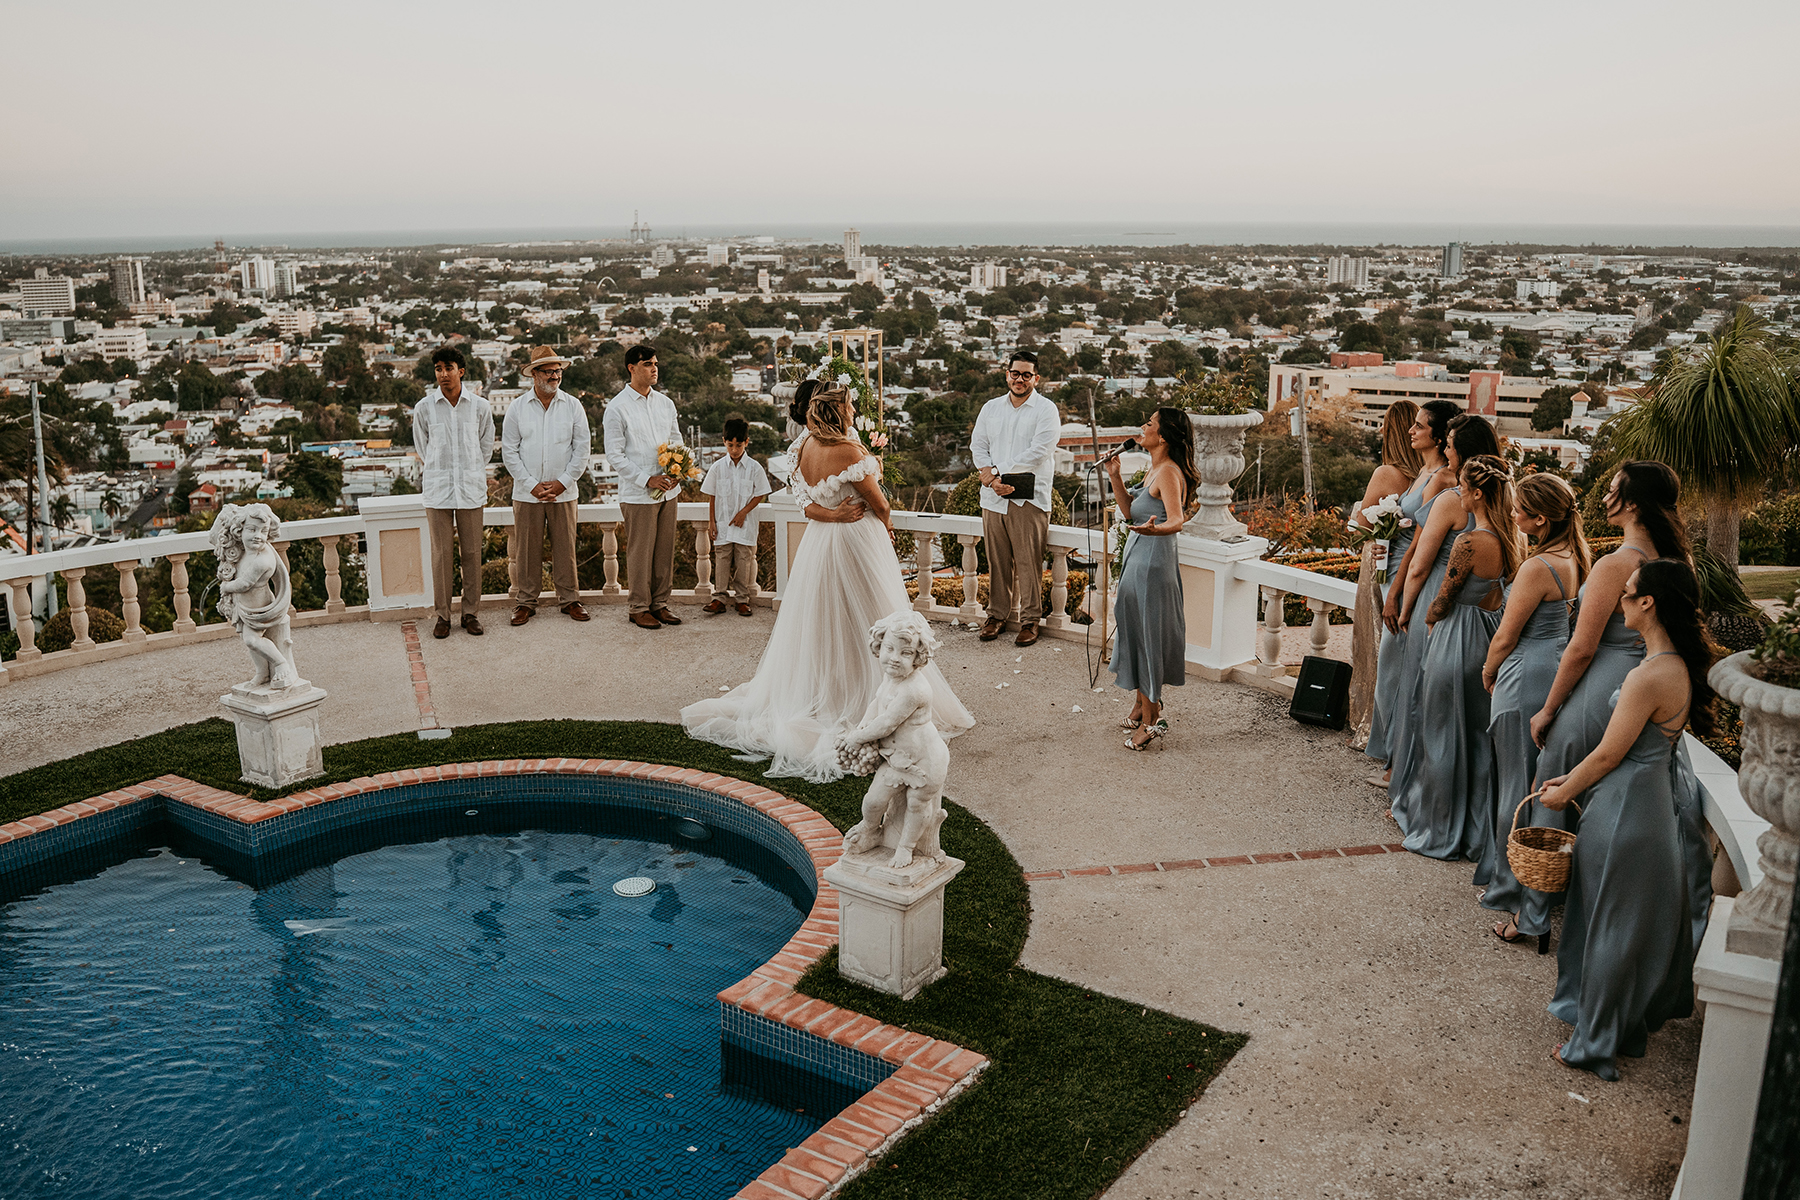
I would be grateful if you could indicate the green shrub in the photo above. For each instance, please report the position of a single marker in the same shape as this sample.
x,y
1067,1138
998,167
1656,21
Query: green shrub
x,y
965,501
59,634
1770,533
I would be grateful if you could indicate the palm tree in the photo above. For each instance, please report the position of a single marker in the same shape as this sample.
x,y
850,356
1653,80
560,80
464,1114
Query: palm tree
x,y
1725,418
62,512
112,504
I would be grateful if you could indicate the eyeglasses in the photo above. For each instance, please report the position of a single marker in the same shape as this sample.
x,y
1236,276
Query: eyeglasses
x,y
1022,374
548,372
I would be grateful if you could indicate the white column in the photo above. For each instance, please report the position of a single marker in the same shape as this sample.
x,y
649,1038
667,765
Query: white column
x,y
128,601
971,609
399,557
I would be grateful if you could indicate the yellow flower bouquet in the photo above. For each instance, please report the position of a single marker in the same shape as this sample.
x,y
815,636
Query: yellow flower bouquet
x,y
677,462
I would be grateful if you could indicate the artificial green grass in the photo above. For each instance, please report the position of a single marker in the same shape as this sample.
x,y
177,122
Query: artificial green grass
x,y
1080,1083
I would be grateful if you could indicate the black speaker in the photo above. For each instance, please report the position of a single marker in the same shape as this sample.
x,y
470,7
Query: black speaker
x,y
1322,693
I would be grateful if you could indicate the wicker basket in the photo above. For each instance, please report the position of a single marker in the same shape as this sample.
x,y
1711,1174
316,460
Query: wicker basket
x,y
1536,854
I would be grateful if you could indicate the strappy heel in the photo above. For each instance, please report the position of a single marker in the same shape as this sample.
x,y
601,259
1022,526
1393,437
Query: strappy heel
x,y
1131,724
1157,732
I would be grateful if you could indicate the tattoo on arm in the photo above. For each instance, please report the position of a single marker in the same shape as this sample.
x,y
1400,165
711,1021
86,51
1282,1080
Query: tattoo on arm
x,y
1462,565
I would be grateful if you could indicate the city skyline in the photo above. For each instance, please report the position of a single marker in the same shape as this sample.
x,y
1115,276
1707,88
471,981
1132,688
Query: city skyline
x,y
408,118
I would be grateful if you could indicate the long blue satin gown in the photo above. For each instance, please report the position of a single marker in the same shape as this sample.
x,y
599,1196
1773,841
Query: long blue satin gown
x,y
1578,728
1388,657
1408,712
1626,963
1150,624
1520,688
1448,801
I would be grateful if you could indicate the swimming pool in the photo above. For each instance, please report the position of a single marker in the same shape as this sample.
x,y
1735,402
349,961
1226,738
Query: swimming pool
x,y
464,1013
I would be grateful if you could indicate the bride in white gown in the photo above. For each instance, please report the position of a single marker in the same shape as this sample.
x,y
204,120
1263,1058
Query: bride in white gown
x,y
817,675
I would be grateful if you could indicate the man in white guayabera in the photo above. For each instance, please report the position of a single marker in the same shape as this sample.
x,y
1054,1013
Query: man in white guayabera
x,y
545,443
638,421
1014,448
453,431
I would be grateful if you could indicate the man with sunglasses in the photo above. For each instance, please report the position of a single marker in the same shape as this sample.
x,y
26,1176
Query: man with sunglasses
x,y
1014,448
544,442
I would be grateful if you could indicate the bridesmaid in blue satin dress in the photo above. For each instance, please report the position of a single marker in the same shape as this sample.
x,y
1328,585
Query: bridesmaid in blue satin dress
x,y
1641,501
1428,562
1404,473
1449,799
1625,965
1521,665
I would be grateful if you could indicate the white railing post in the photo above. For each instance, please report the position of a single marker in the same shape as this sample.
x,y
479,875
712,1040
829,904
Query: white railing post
x,y
178,584
1321,624
334,579
1268,644
1059,588
23,622
971,605
922,543
609,557
128,601
78,617
398,566
702,562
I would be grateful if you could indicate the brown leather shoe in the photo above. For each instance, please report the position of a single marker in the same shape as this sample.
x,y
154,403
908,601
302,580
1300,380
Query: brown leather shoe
x,y
472,624
716,607
744,609
991,628
666,617
1028,635
522,614
574,611
644,620
442,629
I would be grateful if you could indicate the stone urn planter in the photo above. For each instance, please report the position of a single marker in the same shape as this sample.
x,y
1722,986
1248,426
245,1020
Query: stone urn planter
x,y
1219,457
1769,781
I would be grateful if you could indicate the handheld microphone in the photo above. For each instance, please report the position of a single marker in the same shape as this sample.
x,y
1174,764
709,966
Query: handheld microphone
x,y
1130,444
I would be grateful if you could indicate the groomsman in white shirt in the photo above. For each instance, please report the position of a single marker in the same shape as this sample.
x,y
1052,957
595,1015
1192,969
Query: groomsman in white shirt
x,y
453,431
1016,435
545,442
638,420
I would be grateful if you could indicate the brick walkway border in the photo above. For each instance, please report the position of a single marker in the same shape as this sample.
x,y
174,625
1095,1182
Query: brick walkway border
x,y
415,660
929,1072
1230,860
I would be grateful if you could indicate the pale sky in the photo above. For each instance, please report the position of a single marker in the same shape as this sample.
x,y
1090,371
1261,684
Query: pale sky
x,y
176,117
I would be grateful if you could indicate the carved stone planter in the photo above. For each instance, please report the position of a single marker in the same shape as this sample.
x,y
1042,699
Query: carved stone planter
x,y
1219,456
1769,781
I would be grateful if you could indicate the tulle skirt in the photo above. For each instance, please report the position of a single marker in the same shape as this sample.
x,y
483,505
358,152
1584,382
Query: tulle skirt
x,y
818,674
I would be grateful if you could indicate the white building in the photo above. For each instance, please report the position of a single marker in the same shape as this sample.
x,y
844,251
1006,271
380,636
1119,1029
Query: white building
x,y
287,279
257,274
1345,269
128,281
852,244
299,323
662,256
718,256
986,276
1525,289
47,296
125,341
1451,267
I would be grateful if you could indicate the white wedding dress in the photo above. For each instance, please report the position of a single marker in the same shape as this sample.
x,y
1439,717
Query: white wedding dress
x,y
817,675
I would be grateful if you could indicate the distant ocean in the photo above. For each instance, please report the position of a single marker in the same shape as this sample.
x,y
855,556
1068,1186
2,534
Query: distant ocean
x,y
952,235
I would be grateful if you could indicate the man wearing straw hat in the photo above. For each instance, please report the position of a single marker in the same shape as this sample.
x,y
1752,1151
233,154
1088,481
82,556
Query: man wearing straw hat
x,y
545,442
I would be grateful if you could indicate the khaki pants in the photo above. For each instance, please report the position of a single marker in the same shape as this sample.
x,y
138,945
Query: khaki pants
x,y
455,527
649,553
1015,554
527,541
734,571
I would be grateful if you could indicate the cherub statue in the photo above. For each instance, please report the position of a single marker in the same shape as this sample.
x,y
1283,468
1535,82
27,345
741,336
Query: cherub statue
x,y
255,591
904,804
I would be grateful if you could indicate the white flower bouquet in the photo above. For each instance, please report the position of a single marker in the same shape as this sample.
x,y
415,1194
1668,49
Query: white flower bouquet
x,y
1386,519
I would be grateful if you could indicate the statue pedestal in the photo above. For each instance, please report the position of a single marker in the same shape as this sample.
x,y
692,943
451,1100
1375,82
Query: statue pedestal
x,y
891,920
1739,993
277,732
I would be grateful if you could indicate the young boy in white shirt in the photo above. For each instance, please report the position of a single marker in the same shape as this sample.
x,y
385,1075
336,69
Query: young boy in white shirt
x,y
734,486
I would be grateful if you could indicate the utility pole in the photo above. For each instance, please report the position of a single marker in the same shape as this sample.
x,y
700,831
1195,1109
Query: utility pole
x,y
43,499
1306,482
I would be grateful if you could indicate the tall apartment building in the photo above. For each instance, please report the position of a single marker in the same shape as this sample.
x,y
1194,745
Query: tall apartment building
x,y
1451,268
126,341
1344,269
1525,289
718,256
47,296
128,281
257,274
984,277
287,279
852,244
662,256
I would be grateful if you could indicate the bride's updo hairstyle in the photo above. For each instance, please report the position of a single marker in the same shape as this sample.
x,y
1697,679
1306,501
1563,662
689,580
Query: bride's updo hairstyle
x,y
827,415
